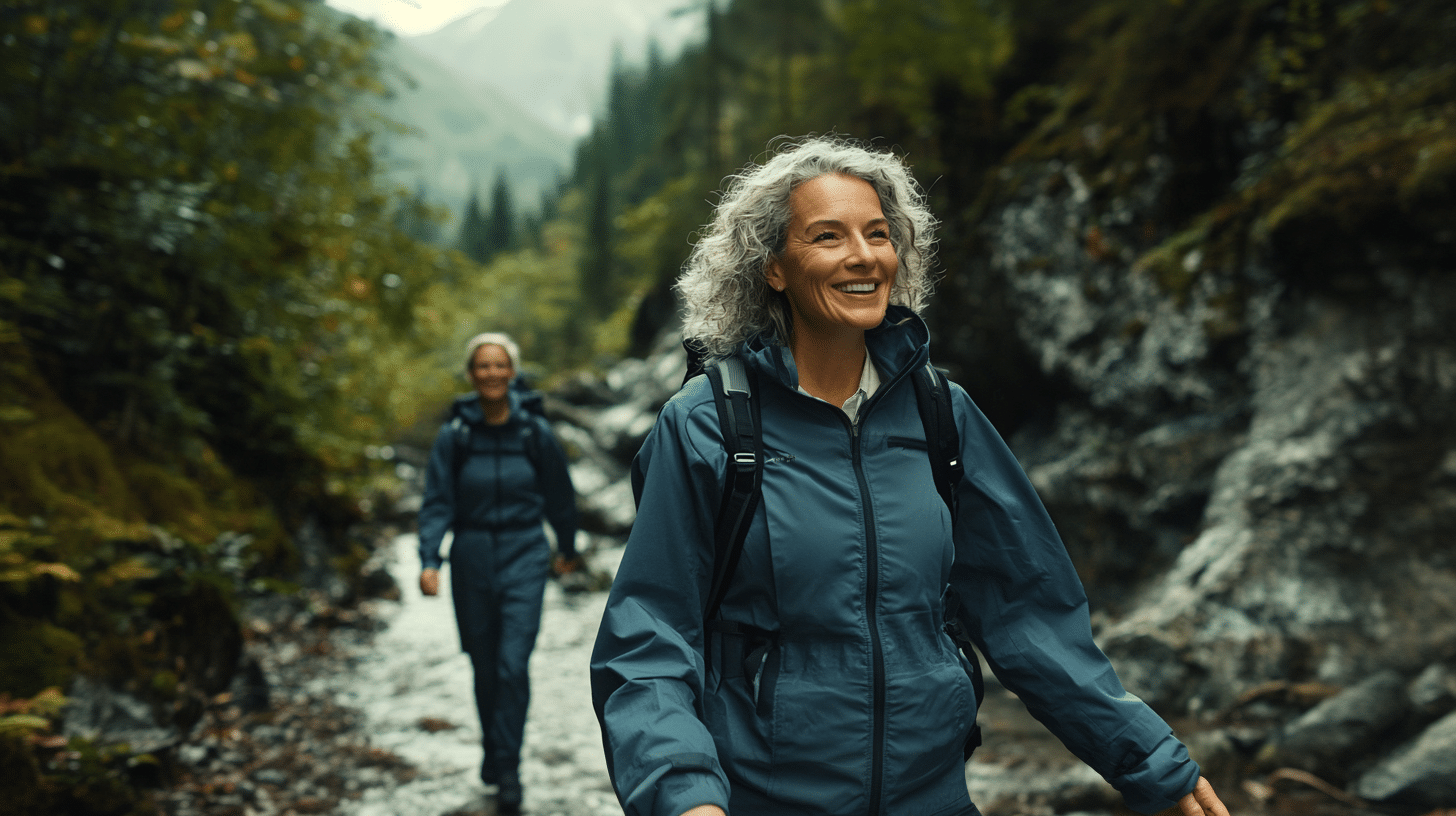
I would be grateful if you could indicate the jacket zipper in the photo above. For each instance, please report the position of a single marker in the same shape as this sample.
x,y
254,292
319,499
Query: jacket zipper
x,y
496,488
872,593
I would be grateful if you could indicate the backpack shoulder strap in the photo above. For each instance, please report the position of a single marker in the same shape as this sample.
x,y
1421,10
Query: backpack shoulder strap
x,y
932,398
943,441
742,426
460,434
531,438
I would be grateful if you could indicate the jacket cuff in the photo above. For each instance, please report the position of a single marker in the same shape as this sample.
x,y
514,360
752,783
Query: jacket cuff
x,y
1156,783
685,782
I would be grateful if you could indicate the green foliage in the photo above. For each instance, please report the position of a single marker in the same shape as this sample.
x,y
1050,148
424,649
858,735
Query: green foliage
x,y
901,51
206,307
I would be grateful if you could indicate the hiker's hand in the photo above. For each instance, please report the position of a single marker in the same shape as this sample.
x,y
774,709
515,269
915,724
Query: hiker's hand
x,y
706,810
430,582
561,565
1202,801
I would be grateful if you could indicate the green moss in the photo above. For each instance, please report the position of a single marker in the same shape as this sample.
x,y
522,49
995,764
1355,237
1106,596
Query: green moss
x,y
163,494
1377,143
1176,262
37,655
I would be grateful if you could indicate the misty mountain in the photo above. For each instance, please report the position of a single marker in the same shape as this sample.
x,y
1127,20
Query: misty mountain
x,y
459,135
554,57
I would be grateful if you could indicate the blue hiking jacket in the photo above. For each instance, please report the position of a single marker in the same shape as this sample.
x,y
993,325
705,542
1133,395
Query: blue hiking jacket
x,y
500,488
830,686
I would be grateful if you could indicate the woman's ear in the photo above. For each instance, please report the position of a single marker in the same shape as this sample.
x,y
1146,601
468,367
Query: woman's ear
x,y
774,274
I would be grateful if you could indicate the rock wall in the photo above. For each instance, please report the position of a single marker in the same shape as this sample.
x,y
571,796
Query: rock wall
x,y
1254,467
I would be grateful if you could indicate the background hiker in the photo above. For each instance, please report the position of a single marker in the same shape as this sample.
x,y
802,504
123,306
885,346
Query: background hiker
x,y
494,472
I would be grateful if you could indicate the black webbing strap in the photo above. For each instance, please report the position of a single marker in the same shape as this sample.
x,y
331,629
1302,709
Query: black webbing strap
x,y
738,417
932,398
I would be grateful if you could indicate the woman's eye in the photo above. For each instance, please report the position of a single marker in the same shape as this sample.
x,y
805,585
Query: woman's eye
x,y
824,236
881,233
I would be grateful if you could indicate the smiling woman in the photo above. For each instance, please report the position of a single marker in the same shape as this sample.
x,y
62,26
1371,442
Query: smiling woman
x,y
822,680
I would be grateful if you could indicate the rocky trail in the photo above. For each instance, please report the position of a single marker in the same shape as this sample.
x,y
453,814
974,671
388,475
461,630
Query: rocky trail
x,y
368,712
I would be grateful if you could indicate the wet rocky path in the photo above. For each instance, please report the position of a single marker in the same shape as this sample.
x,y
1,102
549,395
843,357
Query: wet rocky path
x,y
373,715
413,687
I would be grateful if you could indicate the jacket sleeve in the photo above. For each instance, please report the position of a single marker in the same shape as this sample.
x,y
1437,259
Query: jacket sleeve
x,y
437,509
554,477
647,669
1031,620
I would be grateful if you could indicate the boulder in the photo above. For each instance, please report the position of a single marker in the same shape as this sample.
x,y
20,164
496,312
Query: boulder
x,y
1333,736
1433,692
111,716
1420,775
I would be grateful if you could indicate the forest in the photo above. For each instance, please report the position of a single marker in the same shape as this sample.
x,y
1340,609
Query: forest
x,y
215,314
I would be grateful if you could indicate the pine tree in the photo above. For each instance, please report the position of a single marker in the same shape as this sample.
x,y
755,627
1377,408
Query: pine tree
x,y
473,239
500,225
596,274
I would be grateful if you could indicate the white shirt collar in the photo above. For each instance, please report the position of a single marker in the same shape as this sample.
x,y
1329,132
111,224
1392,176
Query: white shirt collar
x,y
869,382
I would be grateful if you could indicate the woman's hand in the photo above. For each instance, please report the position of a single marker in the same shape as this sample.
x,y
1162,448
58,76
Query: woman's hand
x,y
561,565
706,810
1202,801
430,582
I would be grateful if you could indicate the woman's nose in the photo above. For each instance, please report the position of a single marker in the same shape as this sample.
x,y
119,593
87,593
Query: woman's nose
x,y
859,251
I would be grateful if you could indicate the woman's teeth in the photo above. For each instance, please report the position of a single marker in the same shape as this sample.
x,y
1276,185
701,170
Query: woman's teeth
x,y
856,288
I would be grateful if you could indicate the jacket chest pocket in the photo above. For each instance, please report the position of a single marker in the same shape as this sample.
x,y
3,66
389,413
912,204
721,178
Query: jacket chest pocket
x,y
907,443
749,656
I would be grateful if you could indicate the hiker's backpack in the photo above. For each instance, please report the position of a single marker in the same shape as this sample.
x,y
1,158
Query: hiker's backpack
x,y
529,398
740,421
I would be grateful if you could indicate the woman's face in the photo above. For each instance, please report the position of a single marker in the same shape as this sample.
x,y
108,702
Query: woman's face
x,y
838,264
491,372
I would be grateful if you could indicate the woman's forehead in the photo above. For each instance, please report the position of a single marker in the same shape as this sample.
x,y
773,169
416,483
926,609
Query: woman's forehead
x,y
834,196
490,352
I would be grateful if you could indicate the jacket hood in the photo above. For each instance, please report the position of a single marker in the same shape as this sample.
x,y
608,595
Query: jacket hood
x,y
899,344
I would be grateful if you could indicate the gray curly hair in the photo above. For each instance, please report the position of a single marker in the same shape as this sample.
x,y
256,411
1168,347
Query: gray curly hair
x,y
501,339
726,296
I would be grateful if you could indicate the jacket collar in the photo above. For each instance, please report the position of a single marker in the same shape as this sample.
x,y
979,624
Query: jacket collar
x,y
467,407
898,345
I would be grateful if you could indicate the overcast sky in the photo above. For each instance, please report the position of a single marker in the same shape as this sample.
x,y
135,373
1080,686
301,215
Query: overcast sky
x,y
411,17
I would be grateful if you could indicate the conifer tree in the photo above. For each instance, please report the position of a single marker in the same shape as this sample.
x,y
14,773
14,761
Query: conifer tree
x,y
500,224
473,240
596,274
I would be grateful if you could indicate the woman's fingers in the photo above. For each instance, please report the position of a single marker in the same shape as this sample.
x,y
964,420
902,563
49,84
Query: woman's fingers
x,y
1203,801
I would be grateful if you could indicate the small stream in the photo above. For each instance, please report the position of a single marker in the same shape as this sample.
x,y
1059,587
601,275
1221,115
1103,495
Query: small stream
x,y
414,688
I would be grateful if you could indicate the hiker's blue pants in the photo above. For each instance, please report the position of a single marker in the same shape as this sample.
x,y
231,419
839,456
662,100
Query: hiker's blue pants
x,y
497,579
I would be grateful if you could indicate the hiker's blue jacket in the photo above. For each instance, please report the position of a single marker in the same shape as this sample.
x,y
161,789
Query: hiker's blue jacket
x,y
500,488
832,687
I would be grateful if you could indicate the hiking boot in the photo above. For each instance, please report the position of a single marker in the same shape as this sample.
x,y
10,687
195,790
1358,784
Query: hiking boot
x,y
508,798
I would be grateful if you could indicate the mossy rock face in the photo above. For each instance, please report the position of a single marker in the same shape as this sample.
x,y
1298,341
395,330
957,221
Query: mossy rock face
x,y
68,465
37,655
